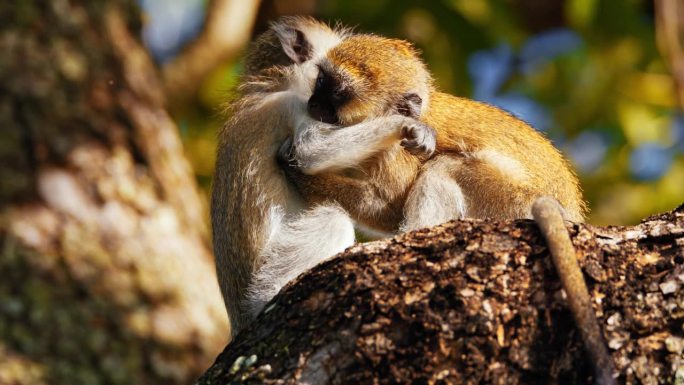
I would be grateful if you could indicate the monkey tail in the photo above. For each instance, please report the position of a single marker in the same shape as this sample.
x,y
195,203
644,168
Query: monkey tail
x,y
547,212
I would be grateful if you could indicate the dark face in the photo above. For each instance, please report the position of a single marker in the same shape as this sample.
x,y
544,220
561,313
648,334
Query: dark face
x,y
328,97
334,99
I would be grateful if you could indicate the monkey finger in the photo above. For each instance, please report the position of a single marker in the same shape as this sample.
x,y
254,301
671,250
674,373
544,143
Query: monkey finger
x,y
429,143
285,150
409,144
418,146
413,147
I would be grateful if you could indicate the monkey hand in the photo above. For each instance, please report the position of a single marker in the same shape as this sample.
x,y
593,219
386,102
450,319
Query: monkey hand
x,y
288,164
285,156
418,138
292,163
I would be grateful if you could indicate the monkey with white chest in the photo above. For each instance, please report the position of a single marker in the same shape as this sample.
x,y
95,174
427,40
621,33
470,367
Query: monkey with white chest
x,y
264,234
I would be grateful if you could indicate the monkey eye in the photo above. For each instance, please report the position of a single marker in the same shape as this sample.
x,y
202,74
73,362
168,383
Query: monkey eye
x,y
339,96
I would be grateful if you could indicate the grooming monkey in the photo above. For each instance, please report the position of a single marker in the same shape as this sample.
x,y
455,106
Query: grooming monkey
x,y
494,164
250,200
263,233
486,163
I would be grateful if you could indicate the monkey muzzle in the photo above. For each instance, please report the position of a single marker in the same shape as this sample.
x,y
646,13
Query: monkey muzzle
x,y
322,110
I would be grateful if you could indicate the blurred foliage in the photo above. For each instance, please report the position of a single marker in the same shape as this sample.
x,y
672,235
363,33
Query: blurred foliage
x,y
587,72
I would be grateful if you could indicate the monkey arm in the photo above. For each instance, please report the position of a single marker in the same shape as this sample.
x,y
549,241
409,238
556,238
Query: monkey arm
x,y
319,188
320,147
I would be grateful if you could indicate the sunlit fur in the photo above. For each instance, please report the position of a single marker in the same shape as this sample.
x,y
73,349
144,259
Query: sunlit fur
x,y
297,243
507,164
488,164
434,198
372,75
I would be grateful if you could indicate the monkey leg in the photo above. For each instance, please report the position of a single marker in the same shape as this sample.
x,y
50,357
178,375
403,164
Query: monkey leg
x,y
295,245
494,187
435,196
320,147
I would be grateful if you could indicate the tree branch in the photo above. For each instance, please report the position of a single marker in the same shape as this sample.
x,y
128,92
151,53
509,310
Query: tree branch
x,y
471,301
670,33
227,30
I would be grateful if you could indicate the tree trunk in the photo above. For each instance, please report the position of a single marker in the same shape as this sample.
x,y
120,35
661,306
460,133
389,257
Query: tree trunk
x,y
106,272
471,302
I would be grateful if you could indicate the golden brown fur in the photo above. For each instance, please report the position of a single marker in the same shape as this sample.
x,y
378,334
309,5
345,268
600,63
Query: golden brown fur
x,y
374,194
371,63
487,164
500,163
465,127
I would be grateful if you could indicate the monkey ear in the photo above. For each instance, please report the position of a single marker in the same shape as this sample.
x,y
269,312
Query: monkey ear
x,y
410,105
295,43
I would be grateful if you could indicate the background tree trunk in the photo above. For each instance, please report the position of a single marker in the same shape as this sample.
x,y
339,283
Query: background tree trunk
x,y
106,274
471,302
226,32
670,37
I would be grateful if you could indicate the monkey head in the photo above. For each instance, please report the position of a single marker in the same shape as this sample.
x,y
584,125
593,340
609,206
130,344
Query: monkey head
x,y
367,76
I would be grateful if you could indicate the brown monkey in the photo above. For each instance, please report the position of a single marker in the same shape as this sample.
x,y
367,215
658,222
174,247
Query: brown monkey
x,y
494,164
487,163
263,233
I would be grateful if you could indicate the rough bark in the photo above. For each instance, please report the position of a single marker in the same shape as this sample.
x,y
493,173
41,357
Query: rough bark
x,y
471,302
106,273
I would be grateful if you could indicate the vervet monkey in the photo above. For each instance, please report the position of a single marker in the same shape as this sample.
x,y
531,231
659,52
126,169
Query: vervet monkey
x,y
270,242
496,164
263,233
487,163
